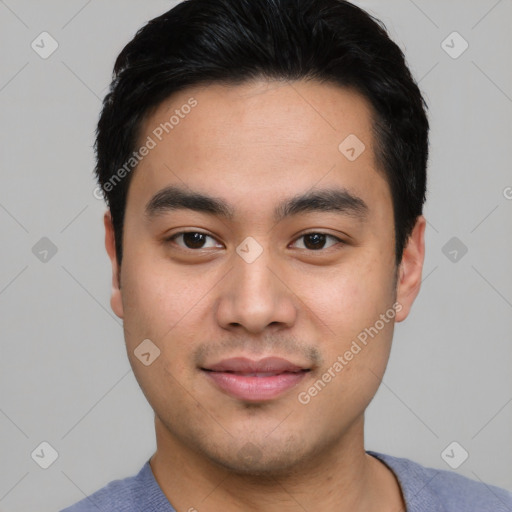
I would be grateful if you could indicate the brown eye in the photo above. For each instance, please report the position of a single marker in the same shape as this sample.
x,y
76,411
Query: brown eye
x,y
317,241
192,240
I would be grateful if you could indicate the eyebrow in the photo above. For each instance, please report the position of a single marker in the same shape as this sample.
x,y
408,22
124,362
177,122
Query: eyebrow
x,y
338,200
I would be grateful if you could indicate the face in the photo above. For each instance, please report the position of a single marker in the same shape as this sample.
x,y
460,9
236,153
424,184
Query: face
x,y
258,259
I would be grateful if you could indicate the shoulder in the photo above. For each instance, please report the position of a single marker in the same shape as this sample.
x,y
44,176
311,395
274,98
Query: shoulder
x,y
120,495
444,491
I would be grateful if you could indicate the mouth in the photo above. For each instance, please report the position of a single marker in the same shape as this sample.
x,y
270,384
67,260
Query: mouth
x,y
255,381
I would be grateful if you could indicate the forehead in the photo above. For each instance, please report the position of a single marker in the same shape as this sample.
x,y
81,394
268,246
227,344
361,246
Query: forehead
x,y
260,140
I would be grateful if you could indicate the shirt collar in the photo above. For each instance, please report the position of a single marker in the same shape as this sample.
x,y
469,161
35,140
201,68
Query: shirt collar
x,y
414,481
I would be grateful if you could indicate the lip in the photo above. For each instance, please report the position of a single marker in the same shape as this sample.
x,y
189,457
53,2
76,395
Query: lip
x,y
255,381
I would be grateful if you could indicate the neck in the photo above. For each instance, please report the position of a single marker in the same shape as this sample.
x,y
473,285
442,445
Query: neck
x,y
344,478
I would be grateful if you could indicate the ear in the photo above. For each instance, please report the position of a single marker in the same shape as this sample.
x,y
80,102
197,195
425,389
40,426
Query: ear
x,y
116,302
410,269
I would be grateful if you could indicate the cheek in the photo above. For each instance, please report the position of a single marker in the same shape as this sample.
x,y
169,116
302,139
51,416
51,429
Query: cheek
x,y
351,297
159,307
156,298
356,341
350,305
172,309
146,307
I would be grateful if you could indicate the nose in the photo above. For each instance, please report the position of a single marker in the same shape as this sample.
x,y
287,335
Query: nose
x,y
255,296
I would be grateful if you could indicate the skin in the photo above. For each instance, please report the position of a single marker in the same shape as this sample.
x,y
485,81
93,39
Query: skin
x,y
255,145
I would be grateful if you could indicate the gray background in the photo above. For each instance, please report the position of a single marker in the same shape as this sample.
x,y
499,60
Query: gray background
x,y
64,374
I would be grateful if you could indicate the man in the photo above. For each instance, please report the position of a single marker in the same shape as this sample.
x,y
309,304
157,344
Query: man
x,y
264,164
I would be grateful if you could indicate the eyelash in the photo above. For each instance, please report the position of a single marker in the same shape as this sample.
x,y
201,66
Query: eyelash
x,y
327,235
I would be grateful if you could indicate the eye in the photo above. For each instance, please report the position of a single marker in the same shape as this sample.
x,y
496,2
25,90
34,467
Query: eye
x,y
192,240
196,240
316,241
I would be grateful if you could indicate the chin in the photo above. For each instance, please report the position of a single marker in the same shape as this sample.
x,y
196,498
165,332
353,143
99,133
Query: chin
x,y
263,469
250,460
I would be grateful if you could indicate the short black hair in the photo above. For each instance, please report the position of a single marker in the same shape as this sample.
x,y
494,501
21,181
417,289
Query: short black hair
x,y
201,42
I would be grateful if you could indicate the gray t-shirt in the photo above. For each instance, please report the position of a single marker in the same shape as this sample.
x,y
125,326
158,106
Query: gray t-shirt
x,y
424,490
